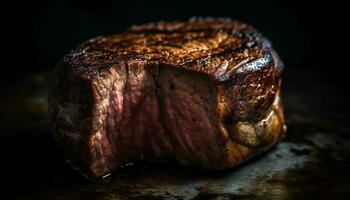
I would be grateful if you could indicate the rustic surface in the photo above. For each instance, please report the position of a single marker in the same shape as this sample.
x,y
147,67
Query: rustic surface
x,y
311,162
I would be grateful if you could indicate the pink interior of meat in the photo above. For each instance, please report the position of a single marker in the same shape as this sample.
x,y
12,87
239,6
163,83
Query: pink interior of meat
x,y
154,112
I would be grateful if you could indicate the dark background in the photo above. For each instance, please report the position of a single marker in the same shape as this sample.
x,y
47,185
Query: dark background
x,y
307,35
310,36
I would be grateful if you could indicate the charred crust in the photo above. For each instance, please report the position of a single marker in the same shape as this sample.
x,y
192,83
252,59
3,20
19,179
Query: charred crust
x,y
238,61
198,44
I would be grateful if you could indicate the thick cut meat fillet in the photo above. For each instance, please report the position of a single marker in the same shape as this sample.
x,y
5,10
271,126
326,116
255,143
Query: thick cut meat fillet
x,y
204,92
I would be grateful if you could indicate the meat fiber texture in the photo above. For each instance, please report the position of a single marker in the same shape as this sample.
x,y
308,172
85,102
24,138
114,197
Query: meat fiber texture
x,y
205,92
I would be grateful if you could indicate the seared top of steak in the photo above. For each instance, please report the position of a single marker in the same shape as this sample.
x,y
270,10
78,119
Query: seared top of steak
x,y
216,47
204,92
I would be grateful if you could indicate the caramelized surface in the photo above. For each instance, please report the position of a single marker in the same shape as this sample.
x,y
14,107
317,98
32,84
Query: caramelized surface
x,y
216,47
204,92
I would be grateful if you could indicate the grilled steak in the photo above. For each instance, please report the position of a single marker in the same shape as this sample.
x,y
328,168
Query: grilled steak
x,y
204,92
